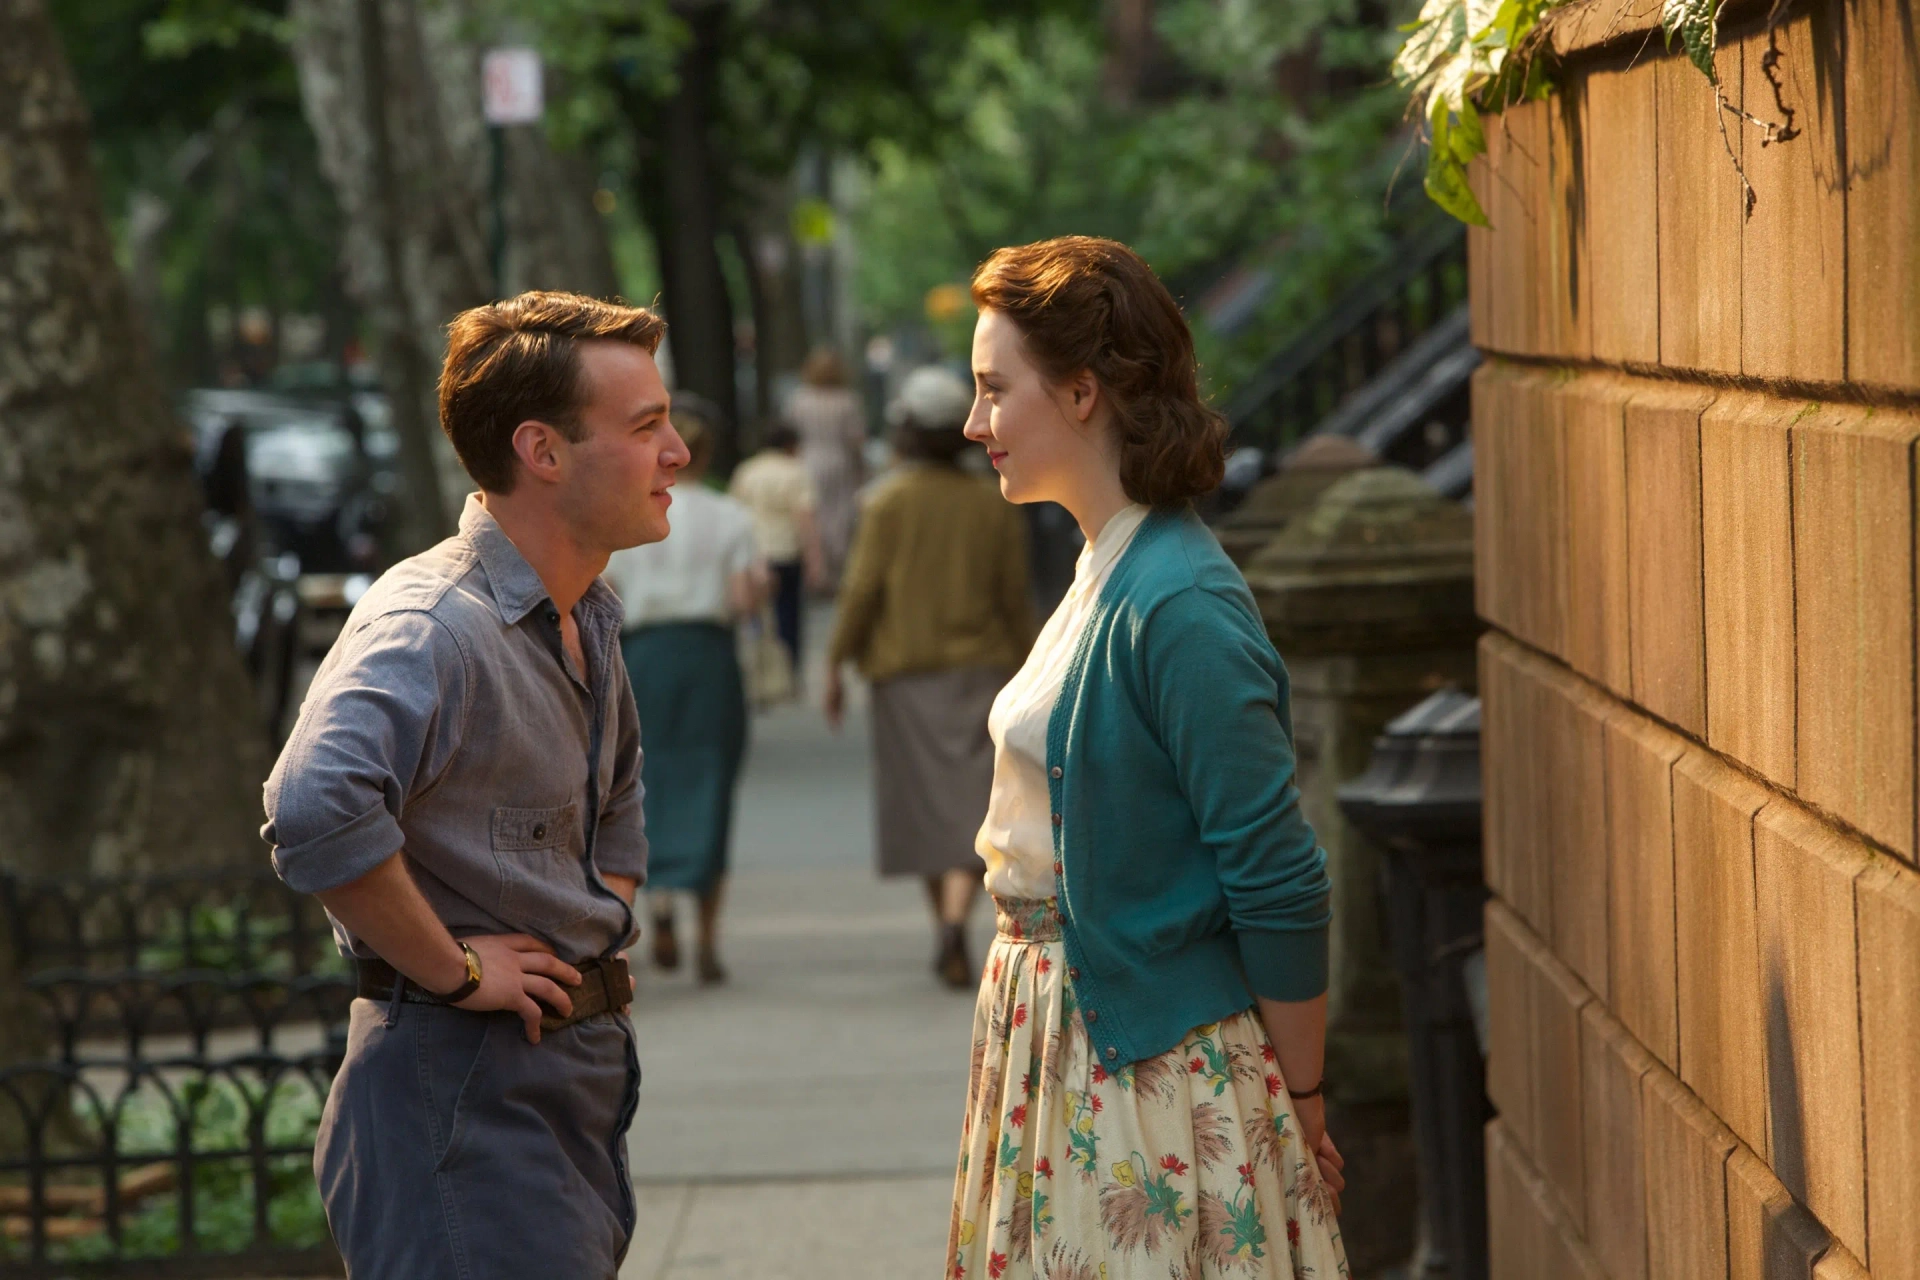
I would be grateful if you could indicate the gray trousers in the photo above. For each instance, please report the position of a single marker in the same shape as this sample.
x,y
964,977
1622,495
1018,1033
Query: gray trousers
x,y
451,1149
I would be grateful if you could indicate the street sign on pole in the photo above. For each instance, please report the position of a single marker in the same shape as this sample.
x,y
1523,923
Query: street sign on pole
x,y
510,79
511,93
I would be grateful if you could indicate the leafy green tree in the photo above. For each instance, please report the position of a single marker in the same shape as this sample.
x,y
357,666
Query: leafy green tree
x,y
1275,150
707,105
207,168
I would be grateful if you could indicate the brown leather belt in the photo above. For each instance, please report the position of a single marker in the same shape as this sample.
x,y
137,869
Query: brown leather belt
x,y
604,987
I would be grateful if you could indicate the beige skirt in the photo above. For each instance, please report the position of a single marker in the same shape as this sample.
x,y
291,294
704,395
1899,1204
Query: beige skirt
x,y
1182,1166
932,768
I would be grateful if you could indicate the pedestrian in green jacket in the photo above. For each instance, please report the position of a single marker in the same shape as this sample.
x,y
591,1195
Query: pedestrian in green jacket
x,y
1145,1097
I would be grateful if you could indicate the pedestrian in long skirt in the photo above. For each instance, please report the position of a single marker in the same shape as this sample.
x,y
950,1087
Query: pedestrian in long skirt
x,y
682,598
832,422
1145,1097
934,608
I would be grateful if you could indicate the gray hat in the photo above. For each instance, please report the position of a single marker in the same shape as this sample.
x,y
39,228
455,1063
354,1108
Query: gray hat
x,y
931,398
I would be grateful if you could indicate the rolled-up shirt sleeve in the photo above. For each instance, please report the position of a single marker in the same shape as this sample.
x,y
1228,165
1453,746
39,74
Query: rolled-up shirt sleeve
x,y
620,842
381,722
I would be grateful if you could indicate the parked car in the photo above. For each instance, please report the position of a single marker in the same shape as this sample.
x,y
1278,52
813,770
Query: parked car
x,y
320,471
298,490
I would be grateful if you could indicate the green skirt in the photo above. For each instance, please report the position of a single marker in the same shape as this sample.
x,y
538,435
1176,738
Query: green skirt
x,y
693,736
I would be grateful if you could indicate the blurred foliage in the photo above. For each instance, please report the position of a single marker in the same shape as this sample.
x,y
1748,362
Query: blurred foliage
x,y
1266,162
208,171
1245,167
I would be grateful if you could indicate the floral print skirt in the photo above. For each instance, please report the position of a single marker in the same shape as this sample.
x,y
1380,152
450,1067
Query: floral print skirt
x,y
1183,1166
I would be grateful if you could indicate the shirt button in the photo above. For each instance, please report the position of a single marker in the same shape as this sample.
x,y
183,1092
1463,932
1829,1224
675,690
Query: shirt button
x,y
1093,1016
1056,819
1112,1053
553,615
1056,771
539,831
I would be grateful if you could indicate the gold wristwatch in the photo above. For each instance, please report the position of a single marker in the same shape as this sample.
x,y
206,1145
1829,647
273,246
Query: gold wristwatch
x,y
471,985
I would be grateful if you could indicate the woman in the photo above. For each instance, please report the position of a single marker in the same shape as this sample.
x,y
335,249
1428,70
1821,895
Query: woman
x,y
777,490
682,598
935,611
833,435
1145,1094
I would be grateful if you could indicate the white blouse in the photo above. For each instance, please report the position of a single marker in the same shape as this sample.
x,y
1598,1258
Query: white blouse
x,y
685,577
1016,840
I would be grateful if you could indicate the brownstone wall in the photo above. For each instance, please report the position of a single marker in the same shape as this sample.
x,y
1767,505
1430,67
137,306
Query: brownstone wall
x,y
1695,492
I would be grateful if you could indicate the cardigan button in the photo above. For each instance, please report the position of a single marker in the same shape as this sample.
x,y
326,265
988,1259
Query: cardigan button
x,y
1112,1053
1056,819
1093,1016
1073,971
1057,771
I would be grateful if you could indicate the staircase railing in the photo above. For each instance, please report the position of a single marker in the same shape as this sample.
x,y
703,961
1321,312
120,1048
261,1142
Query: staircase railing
x,y
1354,339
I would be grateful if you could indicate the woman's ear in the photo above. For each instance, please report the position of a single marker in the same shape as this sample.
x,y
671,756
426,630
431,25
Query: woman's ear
x,y
1085,394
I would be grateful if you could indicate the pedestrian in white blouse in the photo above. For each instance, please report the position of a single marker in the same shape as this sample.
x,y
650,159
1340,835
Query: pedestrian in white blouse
x,y
683,597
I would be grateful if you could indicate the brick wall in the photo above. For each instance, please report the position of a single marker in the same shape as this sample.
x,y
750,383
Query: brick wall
x,y
1696,545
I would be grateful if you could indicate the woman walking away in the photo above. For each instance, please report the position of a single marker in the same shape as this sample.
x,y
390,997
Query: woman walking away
x,y
682,598
1145,1094
833,436
934,610
778,490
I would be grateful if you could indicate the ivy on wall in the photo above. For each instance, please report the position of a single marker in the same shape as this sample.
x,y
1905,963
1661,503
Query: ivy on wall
x,y
1464,59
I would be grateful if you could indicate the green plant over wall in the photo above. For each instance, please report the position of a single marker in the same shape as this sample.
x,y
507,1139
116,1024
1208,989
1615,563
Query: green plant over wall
x,y
1463,59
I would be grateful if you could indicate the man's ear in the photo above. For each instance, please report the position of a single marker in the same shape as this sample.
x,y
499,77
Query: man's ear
x,y
534,443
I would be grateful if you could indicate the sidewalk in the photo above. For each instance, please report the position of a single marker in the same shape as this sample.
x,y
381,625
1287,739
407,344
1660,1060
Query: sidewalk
x,y
802,1121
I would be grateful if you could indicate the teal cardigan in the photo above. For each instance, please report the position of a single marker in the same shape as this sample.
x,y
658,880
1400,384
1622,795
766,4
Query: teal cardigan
x,y
1188,877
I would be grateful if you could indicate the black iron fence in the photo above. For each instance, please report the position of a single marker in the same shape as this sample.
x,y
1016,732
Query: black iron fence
x,y
1380,317
167,1128
231,920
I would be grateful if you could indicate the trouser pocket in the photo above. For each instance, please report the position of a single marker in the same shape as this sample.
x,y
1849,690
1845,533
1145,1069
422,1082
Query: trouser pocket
x,y
454,1052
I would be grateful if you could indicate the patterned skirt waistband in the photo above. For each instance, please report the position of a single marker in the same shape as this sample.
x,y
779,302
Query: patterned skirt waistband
x,y
1027,919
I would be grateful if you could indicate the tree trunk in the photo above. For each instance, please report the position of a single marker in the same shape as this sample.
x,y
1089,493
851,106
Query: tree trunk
x,y
409,374
681,199
432,216
129,738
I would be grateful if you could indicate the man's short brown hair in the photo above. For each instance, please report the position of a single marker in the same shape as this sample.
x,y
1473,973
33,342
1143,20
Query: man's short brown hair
x,y
519,360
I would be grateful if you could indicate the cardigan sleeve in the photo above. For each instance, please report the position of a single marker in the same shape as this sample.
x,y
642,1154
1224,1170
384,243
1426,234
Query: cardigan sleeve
x,y
1217,694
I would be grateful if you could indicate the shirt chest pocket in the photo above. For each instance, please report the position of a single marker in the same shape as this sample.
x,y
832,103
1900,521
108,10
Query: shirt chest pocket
x,y
543,880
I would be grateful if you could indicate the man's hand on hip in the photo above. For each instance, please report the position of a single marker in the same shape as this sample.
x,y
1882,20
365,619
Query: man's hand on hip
x,y
516,971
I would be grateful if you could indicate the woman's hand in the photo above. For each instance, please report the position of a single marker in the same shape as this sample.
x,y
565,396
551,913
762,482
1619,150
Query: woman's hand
x,y
833,699
1312,1115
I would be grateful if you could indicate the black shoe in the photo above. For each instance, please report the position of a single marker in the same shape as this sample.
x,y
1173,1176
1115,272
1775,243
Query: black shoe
x,y
666,950
953,966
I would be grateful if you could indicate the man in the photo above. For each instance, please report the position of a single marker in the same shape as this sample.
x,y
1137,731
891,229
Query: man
x,y
462,793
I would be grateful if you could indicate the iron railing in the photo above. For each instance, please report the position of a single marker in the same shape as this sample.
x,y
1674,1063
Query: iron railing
x,y
241,920
1365,328
168,1130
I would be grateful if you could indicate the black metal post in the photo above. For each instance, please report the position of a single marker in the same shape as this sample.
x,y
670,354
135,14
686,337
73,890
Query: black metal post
x,y
1420,798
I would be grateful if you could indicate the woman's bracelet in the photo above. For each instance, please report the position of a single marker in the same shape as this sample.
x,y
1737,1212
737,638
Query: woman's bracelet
x,y
1304,1094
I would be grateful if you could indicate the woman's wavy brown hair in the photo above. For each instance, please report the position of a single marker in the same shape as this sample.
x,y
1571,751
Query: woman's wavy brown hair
x,y
1086,303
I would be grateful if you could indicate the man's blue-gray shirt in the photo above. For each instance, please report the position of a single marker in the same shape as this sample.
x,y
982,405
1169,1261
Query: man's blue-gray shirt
x,y
449,722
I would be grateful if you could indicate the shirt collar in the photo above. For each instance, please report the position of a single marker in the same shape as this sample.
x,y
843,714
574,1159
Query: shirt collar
x,y
517,589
